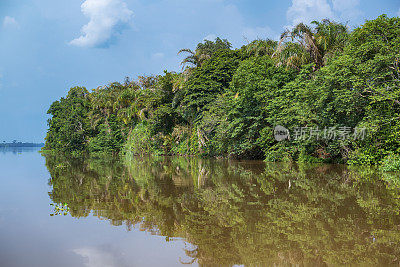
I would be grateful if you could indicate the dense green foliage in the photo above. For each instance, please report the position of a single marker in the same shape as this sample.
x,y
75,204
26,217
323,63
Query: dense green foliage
x,y
227,102
241,213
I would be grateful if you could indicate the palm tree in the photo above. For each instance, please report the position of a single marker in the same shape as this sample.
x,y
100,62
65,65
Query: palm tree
x,y
292,55
331,37
192,59
261,47
203,52
311,45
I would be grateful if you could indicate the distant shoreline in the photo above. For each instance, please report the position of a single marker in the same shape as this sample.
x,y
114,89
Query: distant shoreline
x,y
20,144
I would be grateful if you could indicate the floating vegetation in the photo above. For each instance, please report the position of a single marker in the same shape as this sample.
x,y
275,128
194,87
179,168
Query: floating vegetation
x,y
59,209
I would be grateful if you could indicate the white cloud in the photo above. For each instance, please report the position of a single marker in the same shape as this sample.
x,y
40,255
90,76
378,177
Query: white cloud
x,y
308,10
10,22
342,5
106,17
95,257
230,24
348,9
101,256
210,37
398,12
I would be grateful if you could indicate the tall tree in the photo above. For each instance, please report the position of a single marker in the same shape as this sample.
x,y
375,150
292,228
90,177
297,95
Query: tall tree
x,y
306,44
261,47
203,52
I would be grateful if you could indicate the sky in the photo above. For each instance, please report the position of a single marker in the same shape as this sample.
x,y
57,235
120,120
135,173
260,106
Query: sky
x,y
49,46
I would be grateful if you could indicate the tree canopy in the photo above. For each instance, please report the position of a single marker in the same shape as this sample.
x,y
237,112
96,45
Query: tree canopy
x,y
322,80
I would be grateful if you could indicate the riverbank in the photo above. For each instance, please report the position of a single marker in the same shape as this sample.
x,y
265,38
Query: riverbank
x,y
279,101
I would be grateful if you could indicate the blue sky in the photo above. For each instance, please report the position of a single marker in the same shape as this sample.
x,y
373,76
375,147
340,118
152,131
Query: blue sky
x,y
48,46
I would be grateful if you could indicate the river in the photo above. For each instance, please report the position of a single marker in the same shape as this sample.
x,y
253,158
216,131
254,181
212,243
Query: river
x,y
170,211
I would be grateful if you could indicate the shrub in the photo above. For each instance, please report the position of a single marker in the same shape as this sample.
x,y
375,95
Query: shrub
x,y
391,163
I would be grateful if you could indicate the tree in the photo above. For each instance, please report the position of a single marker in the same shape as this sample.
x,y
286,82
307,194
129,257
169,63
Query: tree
x,y
69,128
311,45
253,102
207,81
203,52
373,60
261,47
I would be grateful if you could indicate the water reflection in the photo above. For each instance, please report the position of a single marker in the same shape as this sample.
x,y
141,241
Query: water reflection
x,y
241,212
18,150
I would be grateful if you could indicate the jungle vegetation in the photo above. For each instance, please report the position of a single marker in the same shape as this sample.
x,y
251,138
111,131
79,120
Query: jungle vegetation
x,y
226,102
